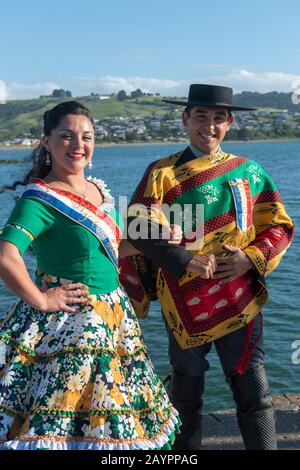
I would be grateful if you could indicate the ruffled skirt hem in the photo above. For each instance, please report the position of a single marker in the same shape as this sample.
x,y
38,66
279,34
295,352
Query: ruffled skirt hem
x,y
163,441
81,381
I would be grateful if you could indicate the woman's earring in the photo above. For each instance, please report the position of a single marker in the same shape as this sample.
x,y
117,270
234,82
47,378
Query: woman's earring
x,y
48,159
90,165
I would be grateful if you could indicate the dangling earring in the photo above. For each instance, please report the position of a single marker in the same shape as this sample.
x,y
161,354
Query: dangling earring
x,y
48,159
90,165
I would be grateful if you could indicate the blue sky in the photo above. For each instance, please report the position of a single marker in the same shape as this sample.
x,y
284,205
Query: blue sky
x,y
158,45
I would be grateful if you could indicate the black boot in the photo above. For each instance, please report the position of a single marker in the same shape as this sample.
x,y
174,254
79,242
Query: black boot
x,y
255,411
185,392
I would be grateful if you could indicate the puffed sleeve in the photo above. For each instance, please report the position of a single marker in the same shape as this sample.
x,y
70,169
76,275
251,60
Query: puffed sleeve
x,y
27,221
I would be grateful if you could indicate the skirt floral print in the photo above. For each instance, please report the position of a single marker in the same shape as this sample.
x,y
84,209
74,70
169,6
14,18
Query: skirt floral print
x,y
81,381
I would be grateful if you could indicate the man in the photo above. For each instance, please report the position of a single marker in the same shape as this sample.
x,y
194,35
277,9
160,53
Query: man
x,y
212,288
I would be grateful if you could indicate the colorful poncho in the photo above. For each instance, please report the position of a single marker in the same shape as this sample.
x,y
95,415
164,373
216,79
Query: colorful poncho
x,y
242,208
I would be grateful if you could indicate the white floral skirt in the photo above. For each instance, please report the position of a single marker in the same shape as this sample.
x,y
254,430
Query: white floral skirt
x,y
81,381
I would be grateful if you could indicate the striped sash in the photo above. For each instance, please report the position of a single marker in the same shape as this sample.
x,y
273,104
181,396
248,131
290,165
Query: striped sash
x,y
99,223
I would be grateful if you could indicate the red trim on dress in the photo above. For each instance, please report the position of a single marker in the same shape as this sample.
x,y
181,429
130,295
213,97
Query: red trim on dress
x,y
86,204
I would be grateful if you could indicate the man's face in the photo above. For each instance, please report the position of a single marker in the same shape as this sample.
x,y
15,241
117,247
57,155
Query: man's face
x,y
207,127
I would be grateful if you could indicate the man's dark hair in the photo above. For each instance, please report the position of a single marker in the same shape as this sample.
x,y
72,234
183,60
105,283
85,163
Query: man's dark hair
x,y
188,110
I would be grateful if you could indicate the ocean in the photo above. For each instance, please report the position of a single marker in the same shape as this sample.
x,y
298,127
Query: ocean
x,y
122,167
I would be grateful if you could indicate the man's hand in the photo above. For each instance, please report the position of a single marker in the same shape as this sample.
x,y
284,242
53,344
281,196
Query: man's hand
x,y
232,266
203,265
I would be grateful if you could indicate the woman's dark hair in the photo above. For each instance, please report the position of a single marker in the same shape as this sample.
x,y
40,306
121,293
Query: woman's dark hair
x,y
51,119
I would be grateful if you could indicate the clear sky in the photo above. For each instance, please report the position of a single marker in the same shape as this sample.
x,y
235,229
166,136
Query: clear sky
x,y
157,45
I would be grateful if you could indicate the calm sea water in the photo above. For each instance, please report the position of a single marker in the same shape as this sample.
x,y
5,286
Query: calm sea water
x,y
122,168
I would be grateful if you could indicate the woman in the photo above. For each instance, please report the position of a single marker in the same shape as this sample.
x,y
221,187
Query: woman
x,y
74,370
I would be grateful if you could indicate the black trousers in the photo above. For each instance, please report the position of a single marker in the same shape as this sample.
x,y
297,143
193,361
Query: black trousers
x,y
194,362
249,385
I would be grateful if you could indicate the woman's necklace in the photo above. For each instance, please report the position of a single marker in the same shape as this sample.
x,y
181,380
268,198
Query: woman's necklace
x,y
83,195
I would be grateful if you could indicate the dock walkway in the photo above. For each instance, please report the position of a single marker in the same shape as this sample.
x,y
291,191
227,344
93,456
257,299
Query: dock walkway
x,y
220,428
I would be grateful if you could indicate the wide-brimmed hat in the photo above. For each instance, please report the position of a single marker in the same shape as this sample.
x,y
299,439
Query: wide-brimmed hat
x,y
210,95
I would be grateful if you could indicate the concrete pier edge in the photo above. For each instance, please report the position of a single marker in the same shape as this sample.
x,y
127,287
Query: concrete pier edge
x,y
221,432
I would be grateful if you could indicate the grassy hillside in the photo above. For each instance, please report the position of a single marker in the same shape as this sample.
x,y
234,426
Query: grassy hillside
x,y
143,106
19,116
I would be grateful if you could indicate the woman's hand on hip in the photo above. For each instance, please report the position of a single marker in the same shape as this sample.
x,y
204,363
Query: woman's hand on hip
x,y
60,298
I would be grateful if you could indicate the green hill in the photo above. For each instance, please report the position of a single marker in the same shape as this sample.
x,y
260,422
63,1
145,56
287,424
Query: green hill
x,y
272,99
19,118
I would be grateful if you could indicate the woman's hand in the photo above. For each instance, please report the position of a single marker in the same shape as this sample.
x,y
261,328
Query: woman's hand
x,y
171,234
59,298
233,266
15,275
175,234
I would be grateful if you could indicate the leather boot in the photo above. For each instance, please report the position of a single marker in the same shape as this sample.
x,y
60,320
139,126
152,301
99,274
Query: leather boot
x,y
255,411
185,392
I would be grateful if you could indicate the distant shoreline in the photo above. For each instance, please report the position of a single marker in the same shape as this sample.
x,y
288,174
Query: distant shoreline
x,y
134,144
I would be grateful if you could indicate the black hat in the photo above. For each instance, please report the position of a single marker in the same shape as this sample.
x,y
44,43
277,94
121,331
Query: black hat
x,y
210,95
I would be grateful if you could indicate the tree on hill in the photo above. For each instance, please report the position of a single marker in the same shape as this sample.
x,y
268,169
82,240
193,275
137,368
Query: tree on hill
x,y
272,99
136,94
121,96
35,132
170,116
61,94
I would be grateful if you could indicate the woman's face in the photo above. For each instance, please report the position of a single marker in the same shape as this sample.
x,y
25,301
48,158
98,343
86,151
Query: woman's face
x,y
71,144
